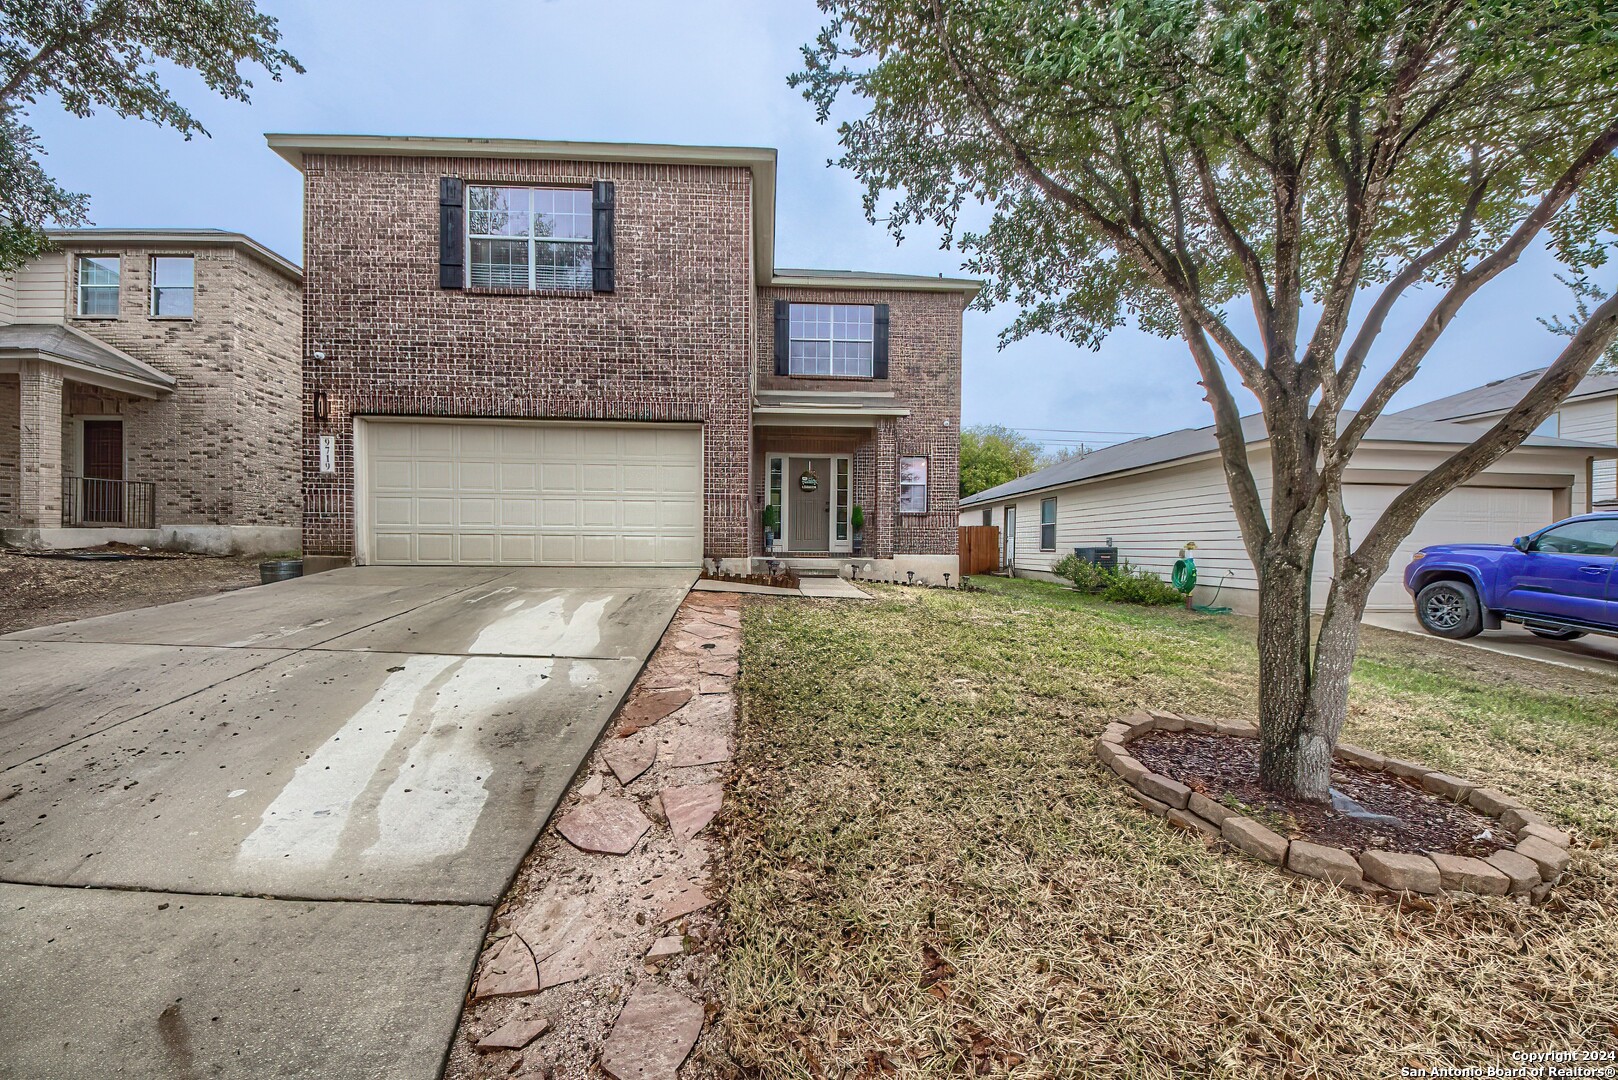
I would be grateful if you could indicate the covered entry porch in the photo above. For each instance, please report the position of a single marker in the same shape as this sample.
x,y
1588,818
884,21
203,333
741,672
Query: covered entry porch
x,y
65,461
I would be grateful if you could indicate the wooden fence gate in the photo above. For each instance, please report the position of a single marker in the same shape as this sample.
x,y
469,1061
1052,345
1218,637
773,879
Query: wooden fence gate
x,y
980,548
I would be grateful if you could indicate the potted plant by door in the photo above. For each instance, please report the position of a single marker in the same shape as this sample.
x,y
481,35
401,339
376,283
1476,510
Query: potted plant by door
x,y
772,518
856,518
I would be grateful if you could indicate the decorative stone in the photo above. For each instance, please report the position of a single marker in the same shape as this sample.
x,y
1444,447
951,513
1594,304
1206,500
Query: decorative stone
x,y
653,1035
1157,809
689,748
1323,862
1255,839
1199,725
707,629
1128,769
713,684
1166,721
1139,722
628,758
1205,808
689,809
1236,729
507,969
609,825
1461,873
1515,817
686,898
1120,732
1407,769
648,708
1365,759
665,947
1546,833
514,1035
1109,753
727,669
1450,787
1522,871
1402,871
1550,859
1164,790
728,617
1491,801
1186,820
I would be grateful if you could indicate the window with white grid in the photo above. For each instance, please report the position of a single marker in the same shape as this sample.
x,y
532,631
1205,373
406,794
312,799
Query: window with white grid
x,y
831,339
529,238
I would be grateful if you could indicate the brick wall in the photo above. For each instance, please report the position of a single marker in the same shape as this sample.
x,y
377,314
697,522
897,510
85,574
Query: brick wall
x,y
670,345
924,373
10,448
222,447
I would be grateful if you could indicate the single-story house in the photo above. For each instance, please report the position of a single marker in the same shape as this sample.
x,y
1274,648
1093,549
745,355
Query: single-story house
x,y
1590,414
1151,497
149,393
583,354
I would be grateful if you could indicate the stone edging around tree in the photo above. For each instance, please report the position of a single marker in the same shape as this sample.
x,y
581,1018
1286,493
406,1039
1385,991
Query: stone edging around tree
x,y
1529,869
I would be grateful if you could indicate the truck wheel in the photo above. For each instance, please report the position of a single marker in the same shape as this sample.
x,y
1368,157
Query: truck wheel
x,y
1555,634
1449,609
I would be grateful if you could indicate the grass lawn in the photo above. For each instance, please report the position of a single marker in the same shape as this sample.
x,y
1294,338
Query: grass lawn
x,y
929,872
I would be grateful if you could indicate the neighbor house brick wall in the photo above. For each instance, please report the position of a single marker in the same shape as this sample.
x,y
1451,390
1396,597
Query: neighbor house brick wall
x,y
222,446
672,344
924,374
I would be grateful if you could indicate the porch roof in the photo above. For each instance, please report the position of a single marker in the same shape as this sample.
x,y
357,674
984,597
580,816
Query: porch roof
x,y
810,407
87,359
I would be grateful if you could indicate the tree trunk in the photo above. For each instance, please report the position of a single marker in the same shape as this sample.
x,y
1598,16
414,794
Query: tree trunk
x,y
1295,755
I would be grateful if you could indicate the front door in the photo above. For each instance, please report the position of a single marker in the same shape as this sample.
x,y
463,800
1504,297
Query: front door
x,y
809,492
103,466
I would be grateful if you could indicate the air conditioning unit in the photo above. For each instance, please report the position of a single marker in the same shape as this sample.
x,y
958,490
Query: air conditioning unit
x,y
1104,557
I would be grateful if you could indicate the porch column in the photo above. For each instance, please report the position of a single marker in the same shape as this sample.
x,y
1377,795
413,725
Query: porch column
x,y
885,515
39,457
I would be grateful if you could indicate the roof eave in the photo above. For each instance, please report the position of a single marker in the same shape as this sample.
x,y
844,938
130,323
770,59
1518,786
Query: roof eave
x,y
178,237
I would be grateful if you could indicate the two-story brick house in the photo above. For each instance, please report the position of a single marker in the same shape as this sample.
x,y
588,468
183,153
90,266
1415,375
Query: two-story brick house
x,y
149,384
583,354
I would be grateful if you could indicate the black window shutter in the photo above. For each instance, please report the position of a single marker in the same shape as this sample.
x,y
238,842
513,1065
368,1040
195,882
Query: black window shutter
x,y
604,261
451,235
783,338
879,343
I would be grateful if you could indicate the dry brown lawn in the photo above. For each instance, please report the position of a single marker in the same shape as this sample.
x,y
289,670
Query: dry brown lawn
x,y
929,874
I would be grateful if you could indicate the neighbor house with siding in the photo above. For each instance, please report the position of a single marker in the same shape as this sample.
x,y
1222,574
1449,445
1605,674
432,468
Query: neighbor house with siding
x,y
149,383
583,354
1152,497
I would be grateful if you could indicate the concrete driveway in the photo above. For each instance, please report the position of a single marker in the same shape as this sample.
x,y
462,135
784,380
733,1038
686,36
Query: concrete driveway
x,y
261,833
1590,653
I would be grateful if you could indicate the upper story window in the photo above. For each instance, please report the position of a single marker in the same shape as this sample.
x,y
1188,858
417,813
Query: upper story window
x,y
174,286
831,339
97,285
529,237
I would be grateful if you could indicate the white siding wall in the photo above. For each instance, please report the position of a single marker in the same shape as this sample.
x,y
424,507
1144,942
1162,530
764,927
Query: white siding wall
x,y
8,299
41,289
1150,516
1595,421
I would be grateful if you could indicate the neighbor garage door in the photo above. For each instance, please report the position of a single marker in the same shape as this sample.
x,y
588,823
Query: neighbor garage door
x,y
1470,515
531,494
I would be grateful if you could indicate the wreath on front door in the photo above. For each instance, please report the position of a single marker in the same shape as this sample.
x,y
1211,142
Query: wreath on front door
x,y
808,481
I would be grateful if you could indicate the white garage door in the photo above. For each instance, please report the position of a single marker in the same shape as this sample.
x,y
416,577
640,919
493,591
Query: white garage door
x,y
545,494
1470,515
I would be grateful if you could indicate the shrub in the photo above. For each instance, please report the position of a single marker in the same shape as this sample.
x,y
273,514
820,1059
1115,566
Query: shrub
x,y
1130,586
1085,576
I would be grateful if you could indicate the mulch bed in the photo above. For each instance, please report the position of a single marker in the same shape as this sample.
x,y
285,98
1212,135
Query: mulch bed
x,y
1225,770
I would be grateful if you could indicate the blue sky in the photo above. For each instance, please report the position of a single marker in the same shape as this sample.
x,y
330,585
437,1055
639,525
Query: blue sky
x,y
692,71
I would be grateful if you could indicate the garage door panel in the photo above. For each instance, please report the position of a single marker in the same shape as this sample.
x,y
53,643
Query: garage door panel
x,y
532,494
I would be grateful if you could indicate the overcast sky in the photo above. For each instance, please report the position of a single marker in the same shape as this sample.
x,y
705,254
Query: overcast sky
x,y
675,71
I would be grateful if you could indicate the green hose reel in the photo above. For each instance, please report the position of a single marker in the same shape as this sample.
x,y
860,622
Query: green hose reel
x,y
1184,577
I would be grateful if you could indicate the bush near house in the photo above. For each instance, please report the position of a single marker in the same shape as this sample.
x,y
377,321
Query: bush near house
x,y
1125,585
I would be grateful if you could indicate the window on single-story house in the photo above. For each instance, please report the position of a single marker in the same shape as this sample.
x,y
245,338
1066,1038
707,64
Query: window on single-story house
x,y
173,286
529,237
912,485
98,285
988,516
831,339
1047,524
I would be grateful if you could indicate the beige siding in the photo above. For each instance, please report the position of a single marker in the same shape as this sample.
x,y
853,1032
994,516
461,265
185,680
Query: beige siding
x,y
8,299
1595,421
41,289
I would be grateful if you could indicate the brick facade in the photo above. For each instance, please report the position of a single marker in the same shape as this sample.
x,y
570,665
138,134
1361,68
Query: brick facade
x,y
669,345
222,446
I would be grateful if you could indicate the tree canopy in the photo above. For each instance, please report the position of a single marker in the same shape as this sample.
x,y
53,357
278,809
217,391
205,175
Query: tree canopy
x,y
992,455
90,54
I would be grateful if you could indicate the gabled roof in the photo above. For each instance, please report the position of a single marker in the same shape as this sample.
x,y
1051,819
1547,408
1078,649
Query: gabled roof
x,y
79,351
759,160
80,238
1198,442
1502,394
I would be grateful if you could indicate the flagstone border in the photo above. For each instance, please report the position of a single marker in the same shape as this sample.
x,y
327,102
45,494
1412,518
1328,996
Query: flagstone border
x,y
1527,870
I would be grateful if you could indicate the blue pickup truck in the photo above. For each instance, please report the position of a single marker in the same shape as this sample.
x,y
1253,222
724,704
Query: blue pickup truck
x,y
1560,582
